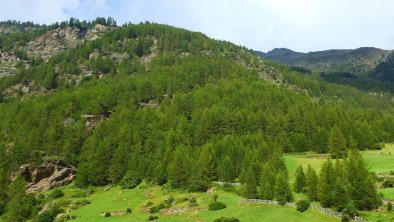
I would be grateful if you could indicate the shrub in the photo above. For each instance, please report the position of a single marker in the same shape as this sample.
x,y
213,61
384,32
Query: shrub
x,y
152,217
303,205
107,214
345,218
150,203
216,205
129,211
388,183
193,202
215,197
79,194
165,204
349,211
56,193
46,216
130,182
227,219
389,207
377,146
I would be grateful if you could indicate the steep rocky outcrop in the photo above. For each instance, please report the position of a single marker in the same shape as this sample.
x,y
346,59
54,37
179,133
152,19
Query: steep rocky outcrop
x,y
49,44
44,177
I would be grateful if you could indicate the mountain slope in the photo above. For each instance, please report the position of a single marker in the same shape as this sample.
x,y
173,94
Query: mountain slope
x,y
165,105
385,70
357,61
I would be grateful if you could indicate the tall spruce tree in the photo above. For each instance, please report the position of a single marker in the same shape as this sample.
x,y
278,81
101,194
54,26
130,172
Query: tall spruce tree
x,y
250,184
327,181
20,205
300,180
361,183
180,168
267,182
312,182
282,188
337,143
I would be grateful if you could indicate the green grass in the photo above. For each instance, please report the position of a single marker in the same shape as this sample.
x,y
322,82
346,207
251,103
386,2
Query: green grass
x,y
116,199
387,192
379,161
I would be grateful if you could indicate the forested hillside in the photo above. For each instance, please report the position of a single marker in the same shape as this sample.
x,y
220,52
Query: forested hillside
x,y
361,68
165,105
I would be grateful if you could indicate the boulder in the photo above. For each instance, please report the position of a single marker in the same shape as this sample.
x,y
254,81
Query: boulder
x,y
44,177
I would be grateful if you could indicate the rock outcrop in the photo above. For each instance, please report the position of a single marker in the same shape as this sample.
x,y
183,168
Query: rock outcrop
x,y
44,177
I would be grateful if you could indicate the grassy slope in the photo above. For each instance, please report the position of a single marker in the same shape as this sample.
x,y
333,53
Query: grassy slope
x,y
379,161
117,199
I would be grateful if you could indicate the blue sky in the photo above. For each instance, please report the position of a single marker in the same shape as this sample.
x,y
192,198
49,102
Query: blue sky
x,y
301,25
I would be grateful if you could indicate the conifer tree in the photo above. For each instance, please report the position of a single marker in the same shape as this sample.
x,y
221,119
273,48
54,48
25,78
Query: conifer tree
x,y
282,188
204,172
20,205
312,182
361,183
267,182
179,169
327,180
250,185
300,180
337,143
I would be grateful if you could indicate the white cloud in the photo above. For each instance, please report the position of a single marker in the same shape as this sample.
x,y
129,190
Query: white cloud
x,y
302,25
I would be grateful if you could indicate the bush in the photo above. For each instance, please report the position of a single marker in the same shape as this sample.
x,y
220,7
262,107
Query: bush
x,y
388,183
79,194
349,211
345,218
57,193
216,205
377,146
45,217
150,203
152,217
227,219
303,205
215,197
389,207
129,211
193,202
107,214
130,182
165,204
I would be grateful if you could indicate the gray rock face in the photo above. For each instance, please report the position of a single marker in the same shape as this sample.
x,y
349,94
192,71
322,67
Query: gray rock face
x,y
44,177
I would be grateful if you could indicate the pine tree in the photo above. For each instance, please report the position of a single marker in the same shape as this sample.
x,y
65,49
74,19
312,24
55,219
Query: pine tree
x,y
250,184
361,184
267,183
300,180
20,205
3,194
312,182
337,143
204,172
327,181
340,196
282,188
179,169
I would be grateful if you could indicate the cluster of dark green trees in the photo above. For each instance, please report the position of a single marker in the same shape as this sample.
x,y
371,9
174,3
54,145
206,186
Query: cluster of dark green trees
x,y
214,118
340,184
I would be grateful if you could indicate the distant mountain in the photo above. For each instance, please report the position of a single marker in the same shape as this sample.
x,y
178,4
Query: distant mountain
x,y
385,70
356,61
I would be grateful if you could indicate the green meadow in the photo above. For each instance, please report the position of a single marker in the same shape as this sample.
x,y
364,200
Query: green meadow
x,y
119,200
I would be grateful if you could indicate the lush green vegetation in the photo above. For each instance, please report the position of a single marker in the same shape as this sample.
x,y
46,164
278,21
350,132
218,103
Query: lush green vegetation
x,y
196,112
119,200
